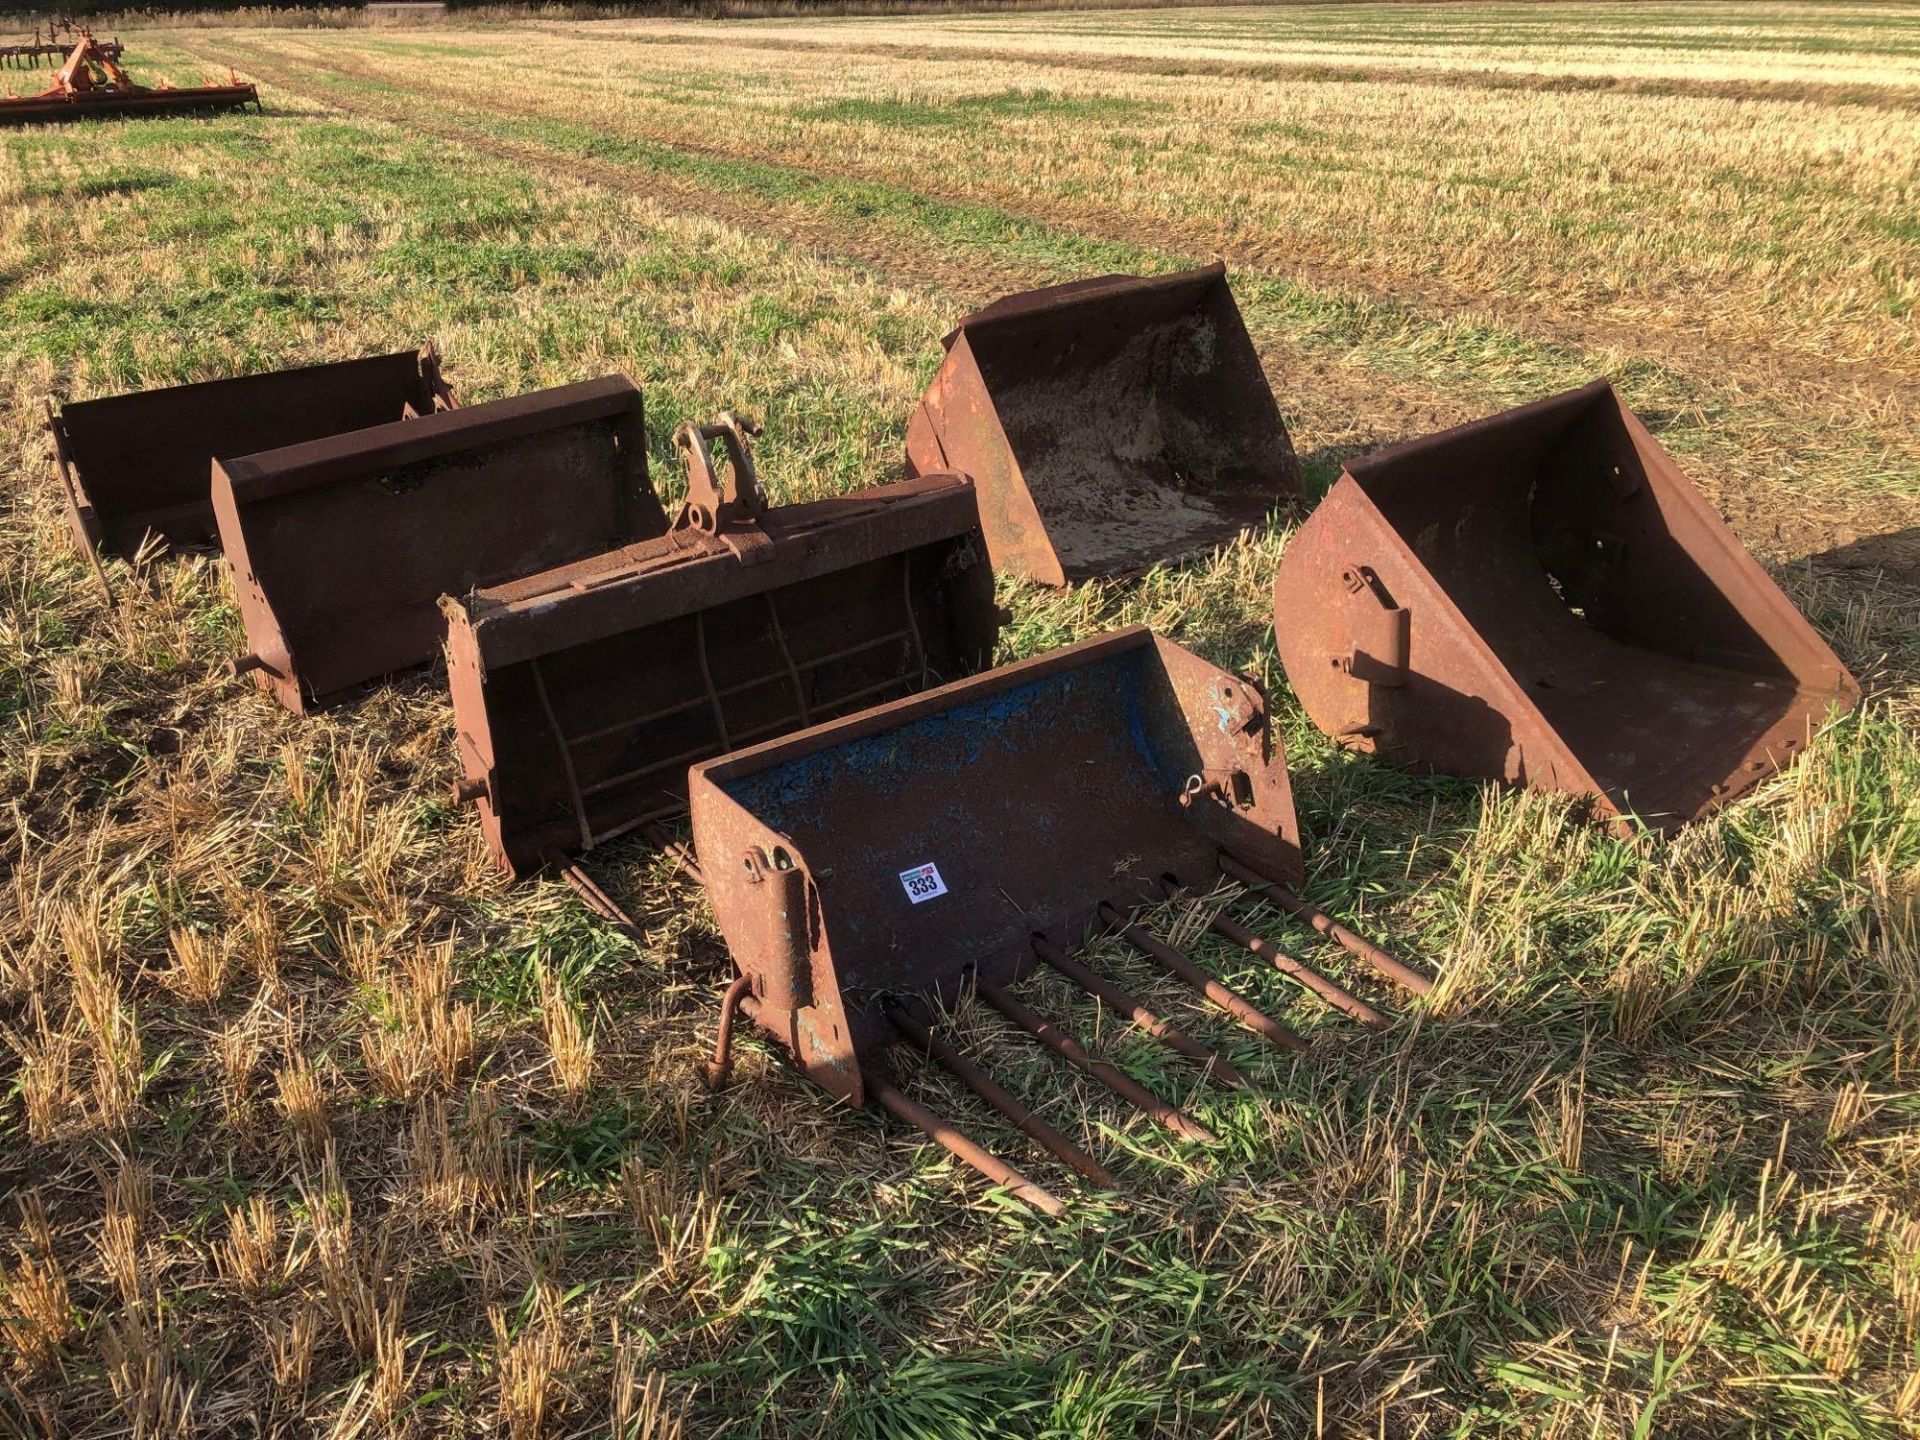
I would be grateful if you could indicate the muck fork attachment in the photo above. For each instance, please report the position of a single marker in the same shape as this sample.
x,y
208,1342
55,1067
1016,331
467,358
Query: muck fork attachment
x,y
870,873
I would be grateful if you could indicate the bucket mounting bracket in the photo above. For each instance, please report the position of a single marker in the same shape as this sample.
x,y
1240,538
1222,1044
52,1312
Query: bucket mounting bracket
x,y
730,510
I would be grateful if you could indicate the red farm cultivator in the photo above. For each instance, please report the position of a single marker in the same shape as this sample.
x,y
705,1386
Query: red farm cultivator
x,y
62,35
91,84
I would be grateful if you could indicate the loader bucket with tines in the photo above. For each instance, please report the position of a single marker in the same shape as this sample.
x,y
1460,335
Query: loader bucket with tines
x,y
140,465
1109,424
582,694
341,548
1543,598
871,873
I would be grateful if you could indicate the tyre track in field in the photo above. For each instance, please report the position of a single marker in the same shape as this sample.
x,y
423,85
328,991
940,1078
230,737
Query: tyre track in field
x,y
1838,388
1339,391
1348,408
1863,95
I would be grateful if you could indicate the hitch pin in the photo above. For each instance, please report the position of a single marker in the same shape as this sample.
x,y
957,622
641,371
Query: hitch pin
x,y
1183,967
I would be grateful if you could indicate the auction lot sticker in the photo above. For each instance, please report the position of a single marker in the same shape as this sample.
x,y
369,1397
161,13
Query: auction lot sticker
x,y
923,883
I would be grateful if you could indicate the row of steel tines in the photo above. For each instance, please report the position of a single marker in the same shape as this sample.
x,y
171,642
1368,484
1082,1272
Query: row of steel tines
x,y
922,1037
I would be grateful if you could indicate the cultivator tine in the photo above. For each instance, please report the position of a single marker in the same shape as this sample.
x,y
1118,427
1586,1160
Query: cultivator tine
x,y
1130,1005
1312,979
1001,1099
1403,975
987,1163
1075,1054
1180,966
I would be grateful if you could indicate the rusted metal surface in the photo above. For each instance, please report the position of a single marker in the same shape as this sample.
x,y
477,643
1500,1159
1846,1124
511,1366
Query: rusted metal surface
x,y
342,547
138,465
1109,424
91,85
1543,598
871,873
582,695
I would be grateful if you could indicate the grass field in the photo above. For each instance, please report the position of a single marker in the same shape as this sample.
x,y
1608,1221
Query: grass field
x,y
315,1124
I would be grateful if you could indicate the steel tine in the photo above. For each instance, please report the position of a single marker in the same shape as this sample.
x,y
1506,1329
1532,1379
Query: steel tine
x,y
1312,979
1380,960
1005,1101
985,1161
678,851
1070,1050
1130,1005
597,900
1184,968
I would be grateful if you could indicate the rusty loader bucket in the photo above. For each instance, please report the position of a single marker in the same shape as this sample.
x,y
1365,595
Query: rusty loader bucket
x,y
138,465
341,548
1109,424
870,873
1543,598
582,694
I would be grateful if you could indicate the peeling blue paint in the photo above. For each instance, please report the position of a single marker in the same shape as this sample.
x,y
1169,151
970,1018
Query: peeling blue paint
x,y
955,740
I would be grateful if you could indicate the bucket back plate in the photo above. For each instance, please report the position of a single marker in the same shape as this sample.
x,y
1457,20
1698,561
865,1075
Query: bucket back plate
x,y
138,464
1109,424
583,694
342,547
1543,598
896,851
